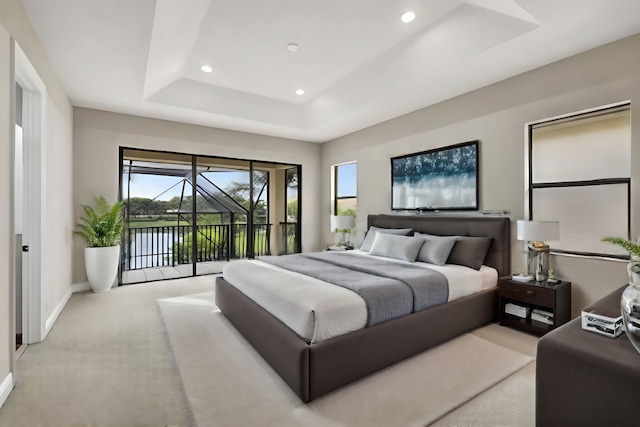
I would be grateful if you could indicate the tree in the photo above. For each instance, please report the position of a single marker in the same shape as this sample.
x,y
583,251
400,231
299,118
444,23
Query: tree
x,y
292,210
140,206
347,212
240,192
211,245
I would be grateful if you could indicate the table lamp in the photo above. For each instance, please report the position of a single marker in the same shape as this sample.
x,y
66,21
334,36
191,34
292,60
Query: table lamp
x,y
536,232
342,223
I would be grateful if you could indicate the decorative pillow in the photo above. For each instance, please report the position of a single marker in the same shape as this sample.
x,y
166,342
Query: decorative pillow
x,y
435,249
470,251
393,246
371,235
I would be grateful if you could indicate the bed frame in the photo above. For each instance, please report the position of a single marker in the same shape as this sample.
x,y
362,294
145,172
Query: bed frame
x,y
312,370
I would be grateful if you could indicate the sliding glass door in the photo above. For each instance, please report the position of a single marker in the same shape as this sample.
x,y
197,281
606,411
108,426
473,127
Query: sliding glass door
x,y
187,215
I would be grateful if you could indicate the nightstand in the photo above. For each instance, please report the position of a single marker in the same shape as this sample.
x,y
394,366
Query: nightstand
x,y
518,301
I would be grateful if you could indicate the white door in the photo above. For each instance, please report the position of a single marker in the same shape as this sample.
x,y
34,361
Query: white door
x,y
33,96
18,204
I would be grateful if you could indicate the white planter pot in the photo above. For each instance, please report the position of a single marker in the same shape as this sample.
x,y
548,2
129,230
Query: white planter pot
x,y
101,265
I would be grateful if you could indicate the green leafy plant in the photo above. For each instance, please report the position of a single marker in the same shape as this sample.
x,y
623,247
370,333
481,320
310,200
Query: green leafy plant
x,y
102,224
632,247
208,245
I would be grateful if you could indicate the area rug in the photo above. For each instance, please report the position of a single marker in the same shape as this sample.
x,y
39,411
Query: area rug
x,y
229,384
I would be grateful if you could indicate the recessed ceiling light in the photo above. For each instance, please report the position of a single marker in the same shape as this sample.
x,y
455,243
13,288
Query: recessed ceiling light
x,y
408,17
299,92
206,68
293,47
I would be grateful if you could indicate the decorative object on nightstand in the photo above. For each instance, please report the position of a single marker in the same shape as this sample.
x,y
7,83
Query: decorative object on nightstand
x,y
535,233
342,224
521,277
552,280
347,247
531,306
630,300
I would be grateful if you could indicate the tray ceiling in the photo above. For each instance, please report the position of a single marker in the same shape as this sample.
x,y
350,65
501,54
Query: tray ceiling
x,y
357,62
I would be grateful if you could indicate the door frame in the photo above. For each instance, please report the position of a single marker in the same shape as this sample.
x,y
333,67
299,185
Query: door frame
x,y
298,239
33,125
194,166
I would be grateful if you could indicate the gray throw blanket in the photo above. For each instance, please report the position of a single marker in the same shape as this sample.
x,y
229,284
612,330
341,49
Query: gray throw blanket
x,y
389,289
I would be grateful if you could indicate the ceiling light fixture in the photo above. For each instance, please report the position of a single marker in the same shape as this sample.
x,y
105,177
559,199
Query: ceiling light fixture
x,y
206,68
299,92
408,17
293,47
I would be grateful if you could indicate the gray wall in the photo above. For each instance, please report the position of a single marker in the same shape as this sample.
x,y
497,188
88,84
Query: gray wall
x,y
496,115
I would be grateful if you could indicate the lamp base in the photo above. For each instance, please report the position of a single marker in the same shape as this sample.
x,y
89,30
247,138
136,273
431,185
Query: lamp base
x,y
538,261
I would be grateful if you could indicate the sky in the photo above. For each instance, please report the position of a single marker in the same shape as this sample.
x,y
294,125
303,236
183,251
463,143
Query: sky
x,y
347,180
151,186
154,186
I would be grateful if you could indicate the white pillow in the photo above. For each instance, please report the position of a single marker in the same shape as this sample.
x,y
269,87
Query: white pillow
x,y
371,235
393,246
435,249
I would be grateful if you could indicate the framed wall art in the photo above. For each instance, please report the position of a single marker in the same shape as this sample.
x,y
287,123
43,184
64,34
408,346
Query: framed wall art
x,y
440,179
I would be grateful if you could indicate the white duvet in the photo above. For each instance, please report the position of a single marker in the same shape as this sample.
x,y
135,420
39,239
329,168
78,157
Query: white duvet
x,y
317,310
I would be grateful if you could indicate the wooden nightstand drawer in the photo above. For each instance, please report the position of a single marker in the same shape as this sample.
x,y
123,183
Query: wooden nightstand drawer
x,y
553,300
536,295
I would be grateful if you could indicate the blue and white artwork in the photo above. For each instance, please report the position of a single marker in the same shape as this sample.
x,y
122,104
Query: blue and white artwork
x,y
445,178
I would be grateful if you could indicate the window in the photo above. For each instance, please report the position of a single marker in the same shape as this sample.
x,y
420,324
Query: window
x,y
345,190
580,176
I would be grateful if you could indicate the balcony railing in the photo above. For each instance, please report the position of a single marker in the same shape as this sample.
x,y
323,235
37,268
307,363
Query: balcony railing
x,y
289,233
173,245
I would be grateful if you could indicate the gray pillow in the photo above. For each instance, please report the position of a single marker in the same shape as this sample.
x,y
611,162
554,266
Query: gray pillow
x,y
393,246
470,251
435,249
371,235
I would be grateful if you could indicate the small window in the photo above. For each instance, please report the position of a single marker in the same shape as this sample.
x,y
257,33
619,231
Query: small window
x,y
580,176
345,191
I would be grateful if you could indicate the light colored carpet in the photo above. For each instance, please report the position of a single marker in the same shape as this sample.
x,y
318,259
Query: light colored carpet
x,y
107,362
229,384
509,338
510,403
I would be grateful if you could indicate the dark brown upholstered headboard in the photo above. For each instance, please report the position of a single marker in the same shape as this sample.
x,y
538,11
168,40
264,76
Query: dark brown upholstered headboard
x,y
498,228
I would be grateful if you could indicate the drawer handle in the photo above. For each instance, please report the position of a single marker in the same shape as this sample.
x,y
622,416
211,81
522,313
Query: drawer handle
x,y
530,292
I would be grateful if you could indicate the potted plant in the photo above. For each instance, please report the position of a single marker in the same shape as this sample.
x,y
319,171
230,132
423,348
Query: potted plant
x,y
101,228
634,251
631,295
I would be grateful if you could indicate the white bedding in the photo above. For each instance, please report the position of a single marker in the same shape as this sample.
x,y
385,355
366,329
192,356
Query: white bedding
x,y
317,310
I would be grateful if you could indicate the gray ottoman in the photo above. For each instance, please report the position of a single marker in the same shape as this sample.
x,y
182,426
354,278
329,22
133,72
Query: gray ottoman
x,y
586,379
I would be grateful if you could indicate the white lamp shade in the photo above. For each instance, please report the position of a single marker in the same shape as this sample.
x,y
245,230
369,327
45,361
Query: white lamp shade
x,y
342,222
538,231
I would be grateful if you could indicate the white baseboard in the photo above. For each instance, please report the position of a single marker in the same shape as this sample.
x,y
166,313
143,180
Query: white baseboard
x,y
5,388
80,287
56,312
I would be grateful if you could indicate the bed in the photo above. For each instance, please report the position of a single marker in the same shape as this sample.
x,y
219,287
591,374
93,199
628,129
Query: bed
x,y
313,369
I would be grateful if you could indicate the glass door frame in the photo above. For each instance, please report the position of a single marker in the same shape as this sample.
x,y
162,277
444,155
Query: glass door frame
x,y
297,244
250,250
